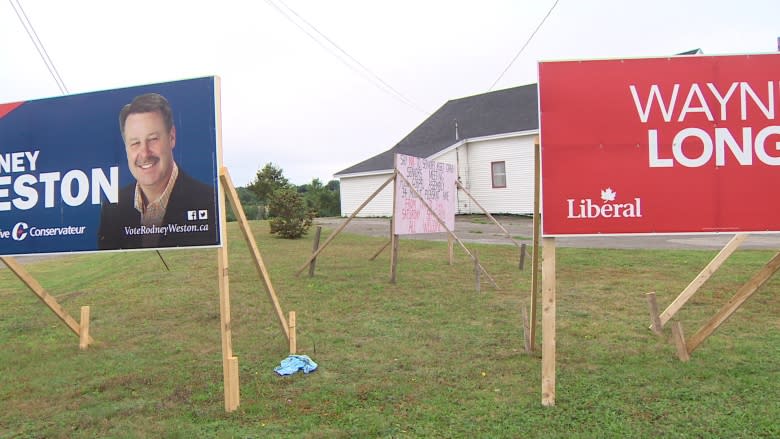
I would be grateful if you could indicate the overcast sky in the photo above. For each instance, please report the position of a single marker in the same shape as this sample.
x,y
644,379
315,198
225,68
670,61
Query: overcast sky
x,y
309,106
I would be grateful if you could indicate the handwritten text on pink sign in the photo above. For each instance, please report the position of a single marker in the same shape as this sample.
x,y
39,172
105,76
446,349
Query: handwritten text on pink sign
x,y
435,182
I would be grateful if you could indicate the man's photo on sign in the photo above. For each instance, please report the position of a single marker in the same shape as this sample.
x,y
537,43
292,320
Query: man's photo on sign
x,y
164,206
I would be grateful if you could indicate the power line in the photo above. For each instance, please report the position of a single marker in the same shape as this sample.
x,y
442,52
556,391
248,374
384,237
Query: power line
x,y
28,27
524,45
355,65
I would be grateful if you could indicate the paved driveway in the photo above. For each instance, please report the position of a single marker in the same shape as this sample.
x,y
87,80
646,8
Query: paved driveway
x,y
478,228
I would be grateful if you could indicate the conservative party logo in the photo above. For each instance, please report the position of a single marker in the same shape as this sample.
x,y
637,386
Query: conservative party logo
x,y
19,232
609,207
22,231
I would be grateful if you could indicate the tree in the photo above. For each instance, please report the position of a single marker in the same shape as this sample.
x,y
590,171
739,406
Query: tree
x,y
323,199
247,196
253,209
290,217
267,181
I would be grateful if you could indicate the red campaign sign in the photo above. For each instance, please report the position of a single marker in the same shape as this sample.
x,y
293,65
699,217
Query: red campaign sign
x,y
683,144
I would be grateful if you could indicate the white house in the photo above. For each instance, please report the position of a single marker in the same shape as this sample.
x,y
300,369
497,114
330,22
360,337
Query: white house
x,y
488,137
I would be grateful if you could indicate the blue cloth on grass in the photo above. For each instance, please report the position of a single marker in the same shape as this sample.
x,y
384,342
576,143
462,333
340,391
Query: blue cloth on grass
x,y
295,363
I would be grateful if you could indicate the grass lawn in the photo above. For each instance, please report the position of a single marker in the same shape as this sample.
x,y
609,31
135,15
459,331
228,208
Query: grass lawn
x,y
425,357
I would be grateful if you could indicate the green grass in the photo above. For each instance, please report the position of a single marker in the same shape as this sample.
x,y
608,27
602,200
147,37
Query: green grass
x,y
425,357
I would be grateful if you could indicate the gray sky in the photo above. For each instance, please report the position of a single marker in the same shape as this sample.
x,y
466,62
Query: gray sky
x,y
313,111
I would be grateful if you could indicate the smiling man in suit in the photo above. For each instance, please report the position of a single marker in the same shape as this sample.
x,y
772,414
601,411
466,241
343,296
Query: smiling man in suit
x,y
165,207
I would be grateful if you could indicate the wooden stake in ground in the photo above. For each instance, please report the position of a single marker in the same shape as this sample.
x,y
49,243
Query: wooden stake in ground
x,y
679,342
293,335
655,320
84,328
315,246
84,333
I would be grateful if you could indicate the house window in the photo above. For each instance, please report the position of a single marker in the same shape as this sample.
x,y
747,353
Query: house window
x,y
498,172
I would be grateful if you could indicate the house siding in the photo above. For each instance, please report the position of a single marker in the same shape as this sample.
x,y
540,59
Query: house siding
x,y
356,190
518,195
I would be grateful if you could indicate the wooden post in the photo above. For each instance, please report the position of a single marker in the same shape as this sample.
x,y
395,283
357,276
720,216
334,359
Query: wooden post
x,y
344,224
548,322
521,263
293,336
679,342
537,239
393,235
705,274
233,395
743,294
43,296
450,248
315,246
229,361
526,331
84,328
655,320
394,258
477,271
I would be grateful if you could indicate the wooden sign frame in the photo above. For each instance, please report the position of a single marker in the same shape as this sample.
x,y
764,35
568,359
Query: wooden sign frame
x,y
394,239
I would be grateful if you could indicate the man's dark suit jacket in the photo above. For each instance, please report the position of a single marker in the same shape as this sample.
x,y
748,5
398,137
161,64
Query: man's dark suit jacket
x,y
189,202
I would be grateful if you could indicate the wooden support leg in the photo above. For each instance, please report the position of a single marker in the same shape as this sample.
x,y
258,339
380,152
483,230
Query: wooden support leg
x,y
243,224
703,276
381,249
743,294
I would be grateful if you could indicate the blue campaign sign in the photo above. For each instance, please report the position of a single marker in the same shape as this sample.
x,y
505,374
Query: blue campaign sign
x,y
119,169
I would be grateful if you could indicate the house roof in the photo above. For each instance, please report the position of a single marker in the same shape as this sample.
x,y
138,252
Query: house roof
x,y
691,52
488,114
